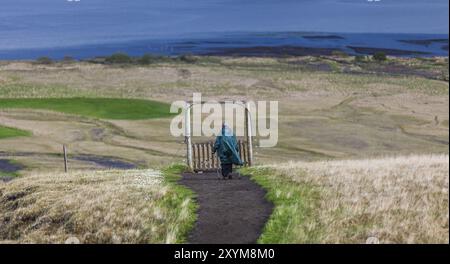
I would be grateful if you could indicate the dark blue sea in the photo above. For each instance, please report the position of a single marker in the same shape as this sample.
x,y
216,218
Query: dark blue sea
x,y
89,28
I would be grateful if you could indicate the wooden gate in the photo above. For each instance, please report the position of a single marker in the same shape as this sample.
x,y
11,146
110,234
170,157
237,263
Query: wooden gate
x,y
199,156
203,158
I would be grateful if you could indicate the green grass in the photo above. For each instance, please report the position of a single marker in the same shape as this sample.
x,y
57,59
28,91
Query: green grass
x,y
294,218
8,174
7,132
105,108
4,174
175,199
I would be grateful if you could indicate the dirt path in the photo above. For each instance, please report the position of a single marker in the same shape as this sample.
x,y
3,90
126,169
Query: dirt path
x,y
230,211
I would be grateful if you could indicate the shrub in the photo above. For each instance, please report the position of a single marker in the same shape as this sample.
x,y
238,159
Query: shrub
x,y
100,60
379,56
68,59
188,58
184,73
147,59
151,58
339,53
360,58
209,59
44,60
119,58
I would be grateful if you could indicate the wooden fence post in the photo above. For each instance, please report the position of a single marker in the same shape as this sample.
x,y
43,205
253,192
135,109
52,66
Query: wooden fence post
x,y
65,158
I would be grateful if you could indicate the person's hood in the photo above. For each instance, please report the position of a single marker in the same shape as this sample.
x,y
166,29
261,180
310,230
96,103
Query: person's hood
x,y
226,131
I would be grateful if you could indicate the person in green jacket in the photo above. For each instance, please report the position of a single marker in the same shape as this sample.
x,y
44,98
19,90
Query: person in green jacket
x,y
227,149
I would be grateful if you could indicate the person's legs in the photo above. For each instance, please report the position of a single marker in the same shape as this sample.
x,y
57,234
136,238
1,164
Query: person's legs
x,y
226,170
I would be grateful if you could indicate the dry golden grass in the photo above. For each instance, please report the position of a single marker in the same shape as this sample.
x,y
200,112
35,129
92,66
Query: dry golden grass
x,y
402,199
136,206
322,115
144,142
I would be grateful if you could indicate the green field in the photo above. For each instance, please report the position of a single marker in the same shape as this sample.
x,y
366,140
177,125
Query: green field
x,y
7,132
105,108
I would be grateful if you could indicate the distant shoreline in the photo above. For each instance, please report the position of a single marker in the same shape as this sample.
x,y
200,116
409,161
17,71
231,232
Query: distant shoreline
x,y
259,52
281,51
252,52
279,44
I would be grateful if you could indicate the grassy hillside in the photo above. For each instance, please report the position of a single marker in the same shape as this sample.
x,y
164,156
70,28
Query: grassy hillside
x,y
6,132
106,108
350,110
136,206
330,108
397,200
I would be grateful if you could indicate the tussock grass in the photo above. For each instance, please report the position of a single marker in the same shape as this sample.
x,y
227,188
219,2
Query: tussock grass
x,y
7,132
400,199
107,108
136,206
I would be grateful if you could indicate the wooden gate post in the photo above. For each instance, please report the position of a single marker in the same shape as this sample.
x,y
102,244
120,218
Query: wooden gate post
x,y
187,134
248,123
